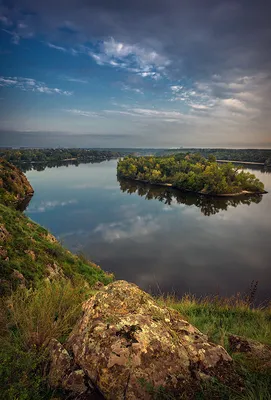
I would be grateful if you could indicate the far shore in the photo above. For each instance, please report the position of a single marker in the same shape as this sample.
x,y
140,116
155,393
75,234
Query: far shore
x,y
241,162
242,193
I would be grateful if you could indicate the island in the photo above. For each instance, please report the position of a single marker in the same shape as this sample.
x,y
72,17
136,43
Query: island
x,y
191,172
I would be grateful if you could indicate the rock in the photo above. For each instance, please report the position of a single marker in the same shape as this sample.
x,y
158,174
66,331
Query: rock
x,y
4,234
125,341
54,271
3,252
18,276
31,254
97,285
60,363
253,349
63,373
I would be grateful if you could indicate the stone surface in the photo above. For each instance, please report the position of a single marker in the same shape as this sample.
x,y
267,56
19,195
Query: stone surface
x,y
125,341
64,374
256,350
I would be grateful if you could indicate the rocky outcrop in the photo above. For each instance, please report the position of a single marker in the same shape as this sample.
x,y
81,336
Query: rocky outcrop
x,y
15,190
127,345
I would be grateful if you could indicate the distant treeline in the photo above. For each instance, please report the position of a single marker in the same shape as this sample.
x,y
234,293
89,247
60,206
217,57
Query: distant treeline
x,y
18,156
249,155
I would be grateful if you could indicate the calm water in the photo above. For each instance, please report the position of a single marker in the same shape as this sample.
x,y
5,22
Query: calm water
x,y
162,240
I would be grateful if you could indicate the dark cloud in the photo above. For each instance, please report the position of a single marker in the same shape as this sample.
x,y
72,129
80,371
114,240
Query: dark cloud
x,y
200,36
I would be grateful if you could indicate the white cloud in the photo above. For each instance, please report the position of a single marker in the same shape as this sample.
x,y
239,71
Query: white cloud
x,y
234,104
135,228
50,205
71,51
82,113
131,89
134,58
176,88
53,46
30,84
76,80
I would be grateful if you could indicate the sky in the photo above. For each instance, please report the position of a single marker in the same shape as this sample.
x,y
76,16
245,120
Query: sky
x,y
145,73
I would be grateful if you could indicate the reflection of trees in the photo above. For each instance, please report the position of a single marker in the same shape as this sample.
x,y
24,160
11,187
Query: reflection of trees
x,y
208,205
41,166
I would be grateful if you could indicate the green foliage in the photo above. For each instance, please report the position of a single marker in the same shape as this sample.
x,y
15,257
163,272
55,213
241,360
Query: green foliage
x,y
190,172
246,155
22,372
55,155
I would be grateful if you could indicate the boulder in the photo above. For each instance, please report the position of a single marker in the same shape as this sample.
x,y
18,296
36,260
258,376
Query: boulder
x,y
128,346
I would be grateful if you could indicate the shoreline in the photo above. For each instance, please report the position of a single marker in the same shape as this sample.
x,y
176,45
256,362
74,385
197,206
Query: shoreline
x,y
241,162
170,185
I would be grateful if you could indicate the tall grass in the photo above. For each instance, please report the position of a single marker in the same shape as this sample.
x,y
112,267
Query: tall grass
x,y
46,312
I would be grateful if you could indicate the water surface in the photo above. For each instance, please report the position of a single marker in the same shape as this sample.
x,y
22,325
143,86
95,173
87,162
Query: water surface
x,y
163,240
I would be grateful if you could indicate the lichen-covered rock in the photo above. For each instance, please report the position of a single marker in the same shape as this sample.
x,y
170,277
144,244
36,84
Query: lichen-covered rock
x,y
65,374
125,341
256,350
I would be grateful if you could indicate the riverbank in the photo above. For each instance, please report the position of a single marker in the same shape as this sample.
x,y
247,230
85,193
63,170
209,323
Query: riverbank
x,y
242,193
241,162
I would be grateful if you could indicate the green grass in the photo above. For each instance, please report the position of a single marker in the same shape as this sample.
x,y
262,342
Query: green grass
x,y
218,317
30,249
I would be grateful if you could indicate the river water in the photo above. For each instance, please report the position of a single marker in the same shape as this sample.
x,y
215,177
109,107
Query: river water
x,y
163,240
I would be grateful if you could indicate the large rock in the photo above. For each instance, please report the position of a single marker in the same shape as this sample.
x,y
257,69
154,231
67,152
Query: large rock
x,y
128,345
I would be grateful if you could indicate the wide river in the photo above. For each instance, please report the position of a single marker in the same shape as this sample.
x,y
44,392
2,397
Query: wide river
x,y
164,241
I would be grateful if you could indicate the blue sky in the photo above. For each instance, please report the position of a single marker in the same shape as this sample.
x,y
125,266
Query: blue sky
x,y
118,74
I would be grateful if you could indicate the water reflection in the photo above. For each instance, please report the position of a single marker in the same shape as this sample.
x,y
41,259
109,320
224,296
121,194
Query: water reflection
x,y
208,205
41,166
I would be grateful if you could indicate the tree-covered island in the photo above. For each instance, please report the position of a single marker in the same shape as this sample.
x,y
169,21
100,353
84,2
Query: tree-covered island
x,y
191,172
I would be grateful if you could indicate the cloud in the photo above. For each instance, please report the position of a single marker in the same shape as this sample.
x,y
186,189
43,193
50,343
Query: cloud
x,y
49,205
71,51
132,57
53,46
136,228
128,88
82,113
30,84
76,80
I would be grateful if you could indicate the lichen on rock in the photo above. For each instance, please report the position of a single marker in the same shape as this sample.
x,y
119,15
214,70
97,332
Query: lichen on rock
x,y
125,338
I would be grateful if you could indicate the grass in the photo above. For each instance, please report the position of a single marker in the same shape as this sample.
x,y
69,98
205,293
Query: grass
x,y
29,319
217,317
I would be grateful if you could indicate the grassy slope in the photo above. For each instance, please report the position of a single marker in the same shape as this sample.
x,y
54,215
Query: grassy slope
x,y
30,249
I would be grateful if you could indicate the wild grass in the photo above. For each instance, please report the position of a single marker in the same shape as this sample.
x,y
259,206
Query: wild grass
x,y
30,318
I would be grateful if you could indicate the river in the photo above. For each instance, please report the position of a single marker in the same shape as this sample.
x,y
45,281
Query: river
x,y
163,240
